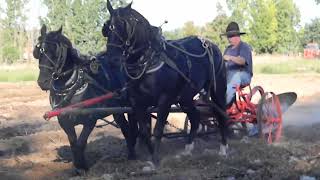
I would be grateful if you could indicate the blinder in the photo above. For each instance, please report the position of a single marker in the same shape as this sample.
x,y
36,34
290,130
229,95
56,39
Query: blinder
x,y
127,46
36,51
56,65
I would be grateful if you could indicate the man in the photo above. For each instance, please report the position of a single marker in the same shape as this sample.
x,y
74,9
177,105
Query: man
x,y
238,59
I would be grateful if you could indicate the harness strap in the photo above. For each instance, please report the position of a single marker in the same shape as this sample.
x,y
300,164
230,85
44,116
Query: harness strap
x,y
173,65
70,91
95,83
186,52
62,56
213,74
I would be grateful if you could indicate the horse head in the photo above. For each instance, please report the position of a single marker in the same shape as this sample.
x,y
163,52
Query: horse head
x,y
51,51
128,33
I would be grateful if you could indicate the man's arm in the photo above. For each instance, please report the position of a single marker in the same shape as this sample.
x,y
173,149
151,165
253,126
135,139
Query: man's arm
x,y
243,58
236,59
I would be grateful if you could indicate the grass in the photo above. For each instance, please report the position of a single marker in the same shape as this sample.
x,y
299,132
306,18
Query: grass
x,y
288,67
19,72
269,65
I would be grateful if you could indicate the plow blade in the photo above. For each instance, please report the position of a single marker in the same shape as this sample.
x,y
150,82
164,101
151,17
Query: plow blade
x,y
269,114
286,100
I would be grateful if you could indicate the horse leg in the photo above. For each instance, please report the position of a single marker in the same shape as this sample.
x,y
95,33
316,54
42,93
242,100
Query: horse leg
x,y
144,120
163,112
124,126
220,100
69,129
132,137
82,143
123,123
194,117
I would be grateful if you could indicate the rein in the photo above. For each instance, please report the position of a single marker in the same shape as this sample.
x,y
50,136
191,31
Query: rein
x,y
127,49
62,51
126,45
78,84
144,61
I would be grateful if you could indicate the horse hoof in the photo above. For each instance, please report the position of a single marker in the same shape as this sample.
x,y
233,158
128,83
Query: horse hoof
x,y
79,172
155,161
150,167
223,150
188,149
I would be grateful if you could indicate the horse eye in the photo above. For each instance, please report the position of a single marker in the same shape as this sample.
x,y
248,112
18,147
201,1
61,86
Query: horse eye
x,y
112,27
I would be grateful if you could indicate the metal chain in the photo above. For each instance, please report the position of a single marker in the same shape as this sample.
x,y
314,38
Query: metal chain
x,y
173,126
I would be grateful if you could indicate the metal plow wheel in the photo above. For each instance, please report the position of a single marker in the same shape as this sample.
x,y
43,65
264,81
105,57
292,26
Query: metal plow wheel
x,y
269,114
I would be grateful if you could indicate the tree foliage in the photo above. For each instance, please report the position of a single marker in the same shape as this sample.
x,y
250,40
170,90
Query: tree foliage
x,y
189,29
81,20
263,26
312,32
173,34
13,32
213,29
288,18
272,26
240,12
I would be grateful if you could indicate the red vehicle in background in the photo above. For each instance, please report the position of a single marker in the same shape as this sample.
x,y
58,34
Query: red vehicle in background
x,y
311,51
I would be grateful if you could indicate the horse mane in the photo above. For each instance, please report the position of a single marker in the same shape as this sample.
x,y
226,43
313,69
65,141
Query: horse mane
x,y
143,32
58,37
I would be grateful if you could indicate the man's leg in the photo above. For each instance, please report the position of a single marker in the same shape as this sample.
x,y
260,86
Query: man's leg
x,y
233,80
245,78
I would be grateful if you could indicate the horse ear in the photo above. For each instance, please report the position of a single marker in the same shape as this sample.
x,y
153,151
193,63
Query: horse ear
x,y
109,7
43,30
60,30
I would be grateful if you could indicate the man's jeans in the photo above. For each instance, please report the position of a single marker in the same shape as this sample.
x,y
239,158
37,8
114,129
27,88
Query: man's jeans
x,y
236,78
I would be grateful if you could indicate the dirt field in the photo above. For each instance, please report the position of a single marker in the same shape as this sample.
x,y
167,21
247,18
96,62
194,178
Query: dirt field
x,y
31,148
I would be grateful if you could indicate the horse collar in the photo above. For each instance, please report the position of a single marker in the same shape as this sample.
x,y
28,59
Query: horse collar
x,y
76,86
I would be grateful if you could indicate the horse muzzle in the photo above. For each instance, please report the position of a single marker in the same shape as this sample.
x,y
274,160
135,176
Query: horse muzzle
x,y
44,84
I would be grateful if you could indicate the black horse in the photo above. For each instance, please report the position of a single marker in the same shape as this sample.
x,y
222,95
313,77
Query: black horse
x,y
71,79
162,73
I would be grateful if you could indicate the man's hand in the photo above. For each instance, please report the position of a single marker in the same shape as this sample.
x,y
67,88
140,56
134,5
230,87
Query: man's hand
x,y
236,59
227,57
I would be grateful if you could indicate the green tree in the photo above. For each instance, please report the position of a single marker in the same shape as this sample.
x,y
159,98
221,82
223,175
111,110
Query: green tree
x,y
82,21
13,34
263,26
288,18
190,29
312,32
173,34
240,12
214,29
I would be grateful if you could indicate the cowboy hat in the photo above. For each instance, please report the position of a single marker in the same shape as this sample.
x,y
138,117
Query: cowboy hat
x,y
233,30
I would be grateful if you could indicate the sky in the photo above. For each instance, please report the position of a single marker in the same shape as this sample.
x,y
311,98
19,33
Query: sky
x,y
177,12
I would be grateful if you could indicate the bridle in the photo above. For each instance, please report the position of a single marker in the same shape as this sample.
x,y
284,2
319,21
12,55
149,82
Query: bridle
x,y
75,84
127,46
56,66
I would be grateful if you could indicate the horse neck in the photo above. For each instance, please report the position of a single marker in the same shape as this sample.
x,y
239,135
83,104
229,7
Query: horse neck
x,y
68,66
70,61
